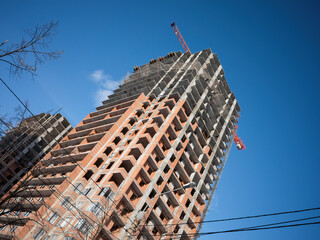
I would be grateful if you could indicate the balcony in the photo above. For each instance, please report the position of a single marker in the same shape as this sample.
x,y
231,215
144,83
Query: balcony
x,y
13,220
54,170
86,147
165,208
74,135
143,179
97,124
134,193
46,181
23,207
65,159
105,110
126,165
95,118
158,222
144,140
35,193
95,137
71,142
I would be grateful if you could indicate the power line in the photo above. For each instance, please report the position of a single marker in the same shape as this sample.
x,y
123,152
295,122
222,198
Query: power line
x,y
244,230
244,217
254,228
74,161
250,227
61,194
69,209
263,228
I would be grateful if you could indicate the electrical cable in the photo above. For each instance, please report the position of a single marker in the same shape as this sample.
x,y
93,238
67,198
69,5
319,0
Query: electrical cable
x,y
74,161
257,227
72,205
29,111
249,229
61,194
247,217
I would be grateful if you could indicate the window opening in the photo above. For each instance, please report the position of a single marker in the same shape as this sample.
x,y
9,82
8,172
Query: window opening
x,y
108,151
98,162
110,165
88,174
100,178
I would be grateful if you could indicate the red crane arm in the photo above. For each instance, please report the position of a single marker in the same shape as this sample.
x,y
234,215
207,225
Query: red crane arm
x,y
179,36
239,144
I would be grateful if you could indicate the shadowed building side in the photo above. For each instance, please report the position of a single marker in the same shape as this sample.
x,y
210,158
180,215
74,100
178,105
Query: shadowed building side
x,y
23,146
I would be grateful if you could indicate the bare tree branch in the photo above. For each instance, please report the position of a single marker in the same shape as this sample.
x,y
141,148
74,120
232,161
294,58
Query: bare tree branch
x,y
28,54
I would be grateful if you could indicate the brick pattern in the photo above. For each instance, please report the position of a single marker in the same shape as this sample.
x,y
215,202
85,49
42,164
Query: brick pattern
x,y
169,124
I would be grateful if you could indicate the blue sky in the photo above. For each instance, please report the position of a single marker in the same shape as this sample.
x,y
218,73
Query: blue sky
x,y
268,49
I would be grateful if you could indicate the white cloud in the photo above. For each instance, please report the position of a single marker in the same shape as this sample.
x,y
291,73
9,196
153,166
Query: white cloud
x,y
105,80
98,75
106,85
101,95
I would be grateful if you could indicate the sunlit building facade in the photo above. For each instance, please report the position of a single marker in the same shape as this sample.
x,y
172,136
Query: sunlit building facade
x,y
121,172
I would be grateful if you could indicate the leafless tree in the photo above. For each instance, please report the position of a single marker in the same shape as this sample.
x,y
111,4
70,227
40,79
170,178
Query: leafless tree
x,y
11,126
31,51
16,200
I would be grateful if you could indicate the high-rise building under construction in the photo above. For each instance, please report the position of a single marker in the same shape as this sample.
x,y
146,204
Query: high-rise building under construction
x,y
21,147
144,165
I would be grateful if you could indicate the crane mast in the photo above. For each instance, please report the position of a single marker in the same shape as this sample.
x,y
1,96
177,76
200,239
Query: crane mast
x,y
239,144
179,36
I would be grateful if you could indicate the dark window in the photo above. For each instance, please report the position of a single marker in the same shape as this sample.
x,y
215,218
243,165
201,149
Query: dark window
x,y
127,165
157,159
150,170
124,130
188,203
88,175
98,162
117,179
132,121
100,178
110,165
116,140
145,105
192,192
155,231
144,207
139,112
108,151
160,180
152,194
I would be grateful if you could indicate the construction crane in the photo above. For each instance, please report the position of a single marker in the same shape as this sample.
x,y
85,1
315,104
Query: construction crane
x,y
179,36
239,144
